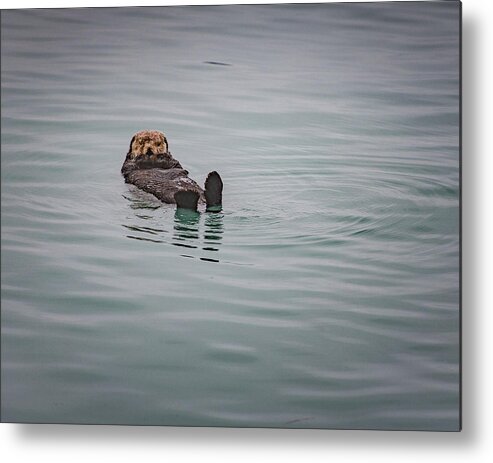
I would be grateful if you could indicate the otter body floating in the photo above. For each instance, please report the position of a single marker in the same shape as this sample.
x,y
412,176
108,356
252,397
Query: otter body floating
x,y
150,166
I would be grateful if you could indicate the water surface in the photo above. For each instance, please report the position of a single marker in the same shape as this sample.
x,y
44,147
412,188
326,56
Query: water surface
x,y
325,295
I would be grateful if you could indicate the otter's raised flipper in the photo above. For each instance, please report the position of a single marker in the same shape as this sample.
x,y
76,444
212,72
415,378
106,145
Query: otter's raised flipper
x,y
214,192
187,199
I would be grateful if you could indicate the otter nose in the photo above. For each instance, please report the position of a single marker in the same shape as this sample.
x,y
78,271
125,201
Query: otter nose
x,y
149,152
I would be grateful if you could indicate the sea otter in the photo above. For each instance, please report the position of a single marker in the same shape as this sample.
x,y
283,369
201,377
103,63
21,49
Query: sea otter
x,y
150,166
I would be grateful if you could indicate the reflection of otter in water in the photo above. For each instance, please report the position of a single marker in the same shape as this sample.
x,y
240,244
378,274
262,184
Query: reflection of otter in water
x,y
150,166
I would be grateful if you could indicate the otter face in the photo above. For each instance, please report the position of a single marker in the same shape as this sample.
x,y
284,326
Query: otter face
x,y
148,145
149,150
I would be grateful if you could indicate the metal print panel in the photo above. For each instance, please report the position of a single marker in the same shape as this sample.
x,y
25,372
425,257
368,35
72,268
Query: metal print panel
x,y
312,282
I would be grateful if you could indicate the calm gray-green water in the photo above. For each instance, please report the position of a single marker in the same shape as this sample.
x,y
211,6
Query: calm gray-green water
x,y
325,295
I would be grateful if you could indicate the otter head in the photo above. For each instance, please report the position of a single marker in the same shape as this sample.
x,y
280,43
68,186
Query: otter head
x,y
149,150
148,146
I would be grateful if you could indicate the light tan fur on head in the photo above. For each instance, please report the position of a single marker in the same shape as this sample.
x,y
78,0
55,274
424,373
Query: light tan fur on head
x,y
148,144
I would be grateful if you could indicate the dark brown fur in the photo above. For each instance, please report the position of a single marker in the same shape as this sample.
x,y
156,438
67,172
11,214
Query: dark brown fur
x,y
151,167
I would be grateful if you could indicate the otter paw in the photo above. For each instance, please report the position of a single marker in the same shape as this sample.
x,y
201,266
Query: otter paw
x,y
213,192
187,199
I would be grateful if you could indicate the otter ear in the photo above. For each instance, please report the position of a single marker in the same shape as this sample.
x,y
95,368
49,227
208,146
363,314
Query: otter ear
x,y
166,143
131,143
